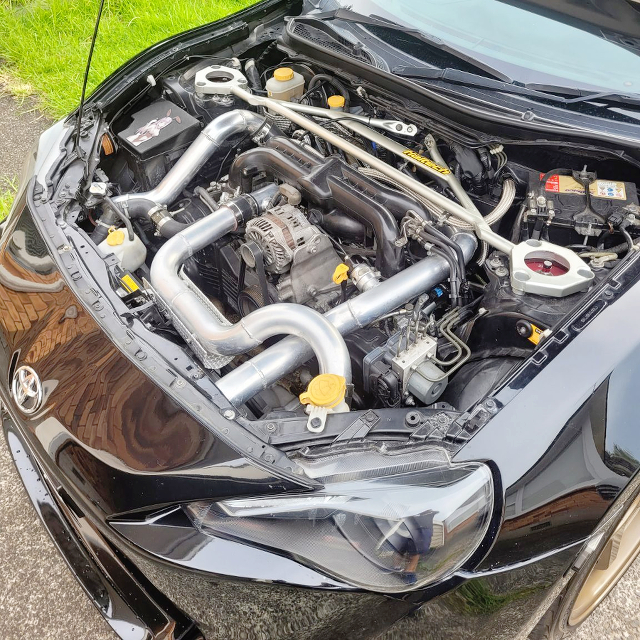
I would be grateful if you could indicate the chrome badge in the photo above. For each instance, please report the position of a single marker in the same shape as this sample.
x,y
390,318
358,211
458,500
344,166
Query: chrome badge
x,y
27,390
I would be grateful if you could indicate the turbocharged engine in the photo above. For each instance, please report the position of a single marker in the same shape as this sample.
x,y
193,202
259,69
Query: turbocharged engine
x,y
398,263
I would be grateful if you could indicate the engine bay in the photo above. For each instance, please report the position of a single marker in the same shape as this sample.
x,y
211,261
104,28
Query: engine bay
x,y
317,251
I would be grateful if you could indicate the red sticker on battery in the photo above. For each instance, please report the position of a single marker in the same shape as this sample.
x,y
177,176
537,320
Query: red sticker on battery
x,y
553,183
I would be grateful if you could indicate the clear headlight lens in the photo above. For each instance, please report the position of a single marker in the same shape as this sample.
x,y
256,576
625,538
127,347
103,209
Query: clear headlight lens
x,y
385,522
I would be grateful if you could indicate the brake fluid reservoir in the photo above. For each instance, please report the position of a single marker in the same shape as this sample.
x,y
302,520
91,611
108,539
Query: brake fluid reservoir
x,y
131,254
285,84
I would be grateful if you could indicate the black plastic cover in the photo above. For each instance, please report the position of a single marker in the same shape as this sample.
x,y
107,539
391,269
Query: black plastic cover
x,y
157,129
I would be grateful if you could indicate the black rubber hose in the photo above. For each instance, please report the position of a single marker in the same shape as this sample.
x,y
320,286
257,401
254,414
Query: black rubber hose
x,y
125,219
108,219
454,246
170,227
453,277
111,216
253,76
205,196
343,226
336,84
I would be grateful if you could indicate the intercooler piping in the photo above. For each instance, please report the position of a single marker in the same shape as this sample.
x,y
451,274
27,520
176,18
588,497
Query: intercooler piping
x,y
267,367
210,140
198,320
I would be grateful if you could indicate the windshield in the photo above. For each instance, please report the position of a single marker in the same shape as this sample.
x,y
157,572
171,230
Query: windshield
x,y
527,46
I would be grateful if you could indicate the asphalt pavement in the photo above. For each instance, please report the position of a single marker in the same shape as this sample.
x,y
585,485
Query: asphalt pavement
x,y
39,597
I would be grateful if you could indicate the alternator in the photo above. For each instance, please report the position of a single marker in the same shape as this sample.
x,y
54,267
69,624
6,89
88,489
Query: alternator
x,y
279,232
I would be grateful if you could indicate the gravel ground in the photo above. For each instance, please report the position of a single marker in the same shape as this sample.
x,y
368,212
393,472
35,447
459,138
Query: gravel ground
x,y
39,598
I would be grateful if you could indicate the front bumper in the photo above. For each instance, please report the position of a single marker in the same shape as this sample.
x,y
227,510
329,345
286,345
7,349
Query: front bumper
x,y
162,579
161,591
132,608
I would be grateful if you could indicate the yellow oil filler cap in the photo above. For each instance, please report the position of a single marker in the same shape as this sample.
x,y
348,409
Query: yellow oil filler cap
x,y
115,237
341,273
283,74
336,102
325,390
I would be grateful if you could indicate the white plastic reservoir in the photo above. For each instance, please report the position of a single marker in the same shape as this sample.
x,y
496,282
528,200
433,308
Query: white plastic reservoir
x,y
285,84
131,254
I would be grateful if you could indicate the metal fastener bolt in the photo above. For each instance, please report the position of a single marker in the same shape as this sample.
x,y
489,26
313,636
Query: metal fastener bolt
x,y
316,422
269,458
229,414
271,427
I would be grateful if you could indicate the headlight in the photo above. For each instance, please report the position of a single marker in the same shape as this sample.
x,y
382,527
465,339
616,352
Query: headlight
x,y
385,522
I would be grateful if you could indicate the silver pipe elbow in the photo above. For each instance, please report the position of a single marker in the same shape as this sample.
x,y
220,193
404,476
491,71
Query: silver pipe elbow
x,y
215,336
210,140
266,368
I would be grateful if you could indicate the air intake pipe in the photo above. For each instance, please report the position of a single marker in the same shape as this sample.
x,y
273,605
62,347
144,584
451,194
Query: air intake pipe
x,y
266,368
210,140
212,334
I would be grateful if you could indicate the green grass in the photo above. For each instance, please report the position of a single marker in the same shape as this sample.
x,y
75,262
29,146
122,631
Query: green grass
x,y
7,192
44,43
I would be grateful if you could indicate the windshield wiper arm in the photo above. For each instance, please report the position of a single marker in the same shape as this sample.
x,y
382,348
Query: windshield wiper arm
x,y
546,92
347,15
586,96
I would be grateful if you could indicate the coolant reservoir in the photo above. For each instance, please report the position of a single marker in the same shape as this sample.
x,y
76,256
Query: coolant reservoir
x,y
286,84
131,254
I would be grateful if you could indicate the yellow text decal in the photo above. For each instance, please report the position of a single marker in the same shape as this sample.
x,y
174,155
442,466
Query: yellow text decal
x,y
427,162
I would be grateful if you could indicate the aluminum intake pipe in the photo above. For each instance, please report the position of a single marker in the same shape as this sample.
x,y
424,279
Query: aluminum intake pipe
x,y
210,140
205,329
264,369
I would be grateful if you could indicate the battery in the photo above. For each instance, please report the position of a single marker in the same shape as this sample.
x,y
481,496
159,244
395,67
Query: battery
x,y
568,196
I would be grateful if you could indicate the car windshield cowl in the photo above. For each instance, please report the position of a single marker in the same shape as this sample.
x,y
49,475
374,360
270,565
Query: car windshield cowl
x,y
518,42
559,94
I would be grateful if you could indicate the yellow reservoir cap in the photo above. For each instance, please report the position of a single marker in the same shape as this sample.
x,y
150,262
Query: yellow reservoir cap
x,y
335,102
341,273
325,390
115,237
283,74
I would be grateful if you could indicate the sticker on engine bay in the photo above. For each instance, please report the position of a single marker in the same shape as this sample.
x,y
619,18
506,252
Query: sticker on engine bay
x,y
609,189
427,162
151,129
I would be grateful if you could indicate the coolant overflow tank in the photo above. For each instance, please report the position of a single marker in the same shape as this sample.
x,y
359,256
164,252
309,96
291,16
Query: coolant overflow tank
x,y
131,254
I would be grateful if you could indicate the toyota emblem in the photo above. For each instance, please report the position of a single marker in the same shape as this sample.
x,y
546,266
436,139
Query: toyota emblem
x,y
27,390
